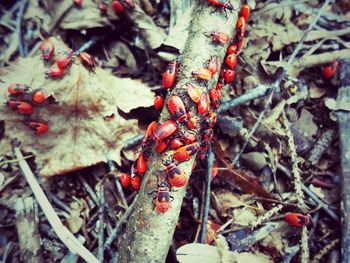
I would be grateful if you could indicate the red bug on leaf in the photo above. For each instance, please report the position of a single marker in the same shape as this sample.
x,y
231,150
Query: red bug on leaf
x,y
202,74
163,198
17,89
213,65
170,74
164,130
330,69
64,59
21,107
55,72
193,92
47,49
231,61
226,4
177,108
38,97
203,105
215,97
230,75
219,37
87,59
39,127
185,153
148,135
232,49
296,219
158,102
245,12
175,176
124,179
117,7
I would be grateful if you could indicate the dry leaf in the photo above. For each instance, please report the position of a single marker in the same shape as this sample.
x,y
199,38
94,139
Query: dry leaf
x,y
80,132
74,222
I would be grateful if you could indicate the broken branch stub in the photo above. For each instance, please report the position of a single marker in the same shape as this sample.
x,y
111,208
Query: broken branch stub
x,y
149,233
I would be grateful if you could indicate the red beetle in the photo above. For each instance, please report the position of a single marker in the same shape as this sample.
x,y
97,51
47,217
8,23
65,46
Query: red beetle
x,y
215,97
219,85
87,59
64,59
38,97
124,179
222,73
176,143
192,121
232,49
330,69
141,164
208,134
203,149
226,4
188,137
161,145
203,105
135,178
17,89
39,127
240,26
219,37
245,12
296,219
193,92
163,197
164,130
117,7
47,49
148,136
210,119
158,102
78,3
170,74
103,6
185,153
213,65
175,176
177,108
230,75
21,107
202,74
231,61
55,72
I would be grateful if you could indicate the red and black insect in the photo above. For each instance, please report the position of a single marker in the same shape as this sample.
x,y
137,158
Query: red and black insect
x,y
226,4
117,7
208,134
192,121
203,149
135,178
55,72
163,131
203,105
162,145
177,109
158,102
147,139
142,162
240,27
215,97
47,49
230,75
176,143
39,127
21,107
87,59
213,65
17,89
202,74
231,60
124,179
232,49
38,97
185,153
210,119
64,59
219,37
194,92
330,69
170,74
245,12
163,198
219,85
296,219
175,176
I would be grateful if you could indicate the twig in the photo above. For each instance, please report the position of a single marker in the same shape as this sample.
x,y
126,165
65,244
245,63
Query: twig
x,y
304,245
101,223
62,232
122,220
324,251
207,195
321,146
312,195
18,28
88,189
15,160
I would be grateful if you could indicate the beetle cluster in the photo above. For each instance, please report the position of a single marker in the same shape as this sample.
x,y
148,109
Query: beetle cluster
x,y
63,60
23,100
118,6
185,143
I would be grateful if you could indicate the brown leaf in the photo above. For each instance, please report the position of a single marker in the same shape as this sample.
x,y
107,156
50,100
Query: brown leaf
x,y
79,131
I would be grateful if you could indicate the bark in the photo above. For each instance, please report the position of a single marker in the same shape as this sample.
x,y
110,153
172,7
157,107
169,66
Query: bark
x,y
148,233
343,113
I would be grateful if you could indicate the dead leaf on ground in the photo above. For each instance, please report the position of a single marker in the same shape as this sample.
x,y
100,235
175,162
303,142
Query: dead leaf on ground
x,y
80,132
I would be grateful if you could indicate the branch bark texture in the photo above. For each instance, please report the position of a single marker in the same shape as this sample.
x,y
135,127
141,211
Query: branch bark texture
x,y
149,233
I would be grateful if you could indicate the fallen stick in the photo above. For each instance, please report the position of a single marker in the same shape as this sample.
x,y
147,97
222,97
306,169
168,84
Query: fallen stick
x,y
62,232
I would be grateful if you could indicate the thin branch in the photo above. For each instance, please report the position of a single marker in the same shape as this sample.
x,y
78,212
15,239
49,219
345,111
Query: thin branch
x,y
101,222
